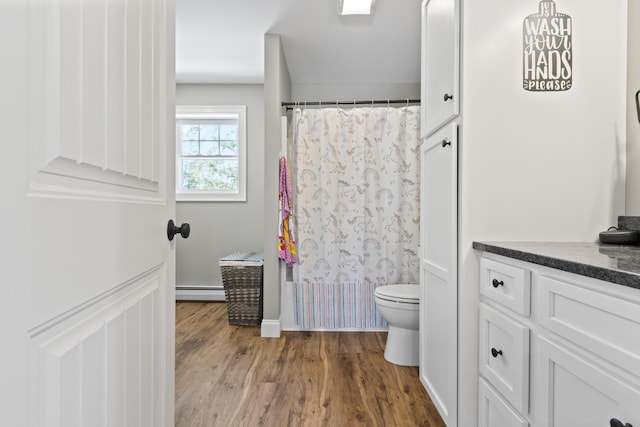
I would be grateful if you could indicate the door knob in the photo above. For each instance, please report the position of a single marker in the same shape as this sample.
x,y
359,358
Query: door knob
x,y
184,230
447,97
445,142
617,423
497,283
496,353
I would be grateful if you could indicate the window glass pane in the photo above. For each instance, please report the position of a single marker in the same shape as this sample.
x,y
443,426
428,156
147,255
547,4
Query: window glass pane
x,y
189,132
209,148
208,132
190,148
210,152
229,132
228,148
210,174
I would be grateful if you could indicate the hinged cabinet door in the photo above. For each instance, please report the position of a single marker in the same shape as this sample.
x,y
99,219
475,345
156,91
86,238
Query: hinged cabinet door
x,y
438,271
576,391
440,63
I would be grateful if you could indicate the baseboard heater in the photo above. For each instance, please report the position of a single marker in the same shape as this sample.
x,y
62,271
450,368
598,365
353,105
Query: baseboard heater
x,y
199,293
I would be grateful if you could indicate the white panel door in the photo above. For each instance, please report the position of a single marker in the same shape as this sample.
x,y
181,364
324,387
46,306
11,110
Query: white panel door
x,y
438,270
88,168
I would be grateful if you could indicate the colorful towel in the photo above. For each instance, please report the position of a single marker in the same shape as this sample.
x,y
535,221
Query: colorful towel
x,y
286,242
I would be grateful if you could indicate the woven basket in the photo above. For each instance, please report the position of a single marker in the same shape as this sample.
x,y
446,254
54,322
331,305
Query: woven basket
x,y
242,280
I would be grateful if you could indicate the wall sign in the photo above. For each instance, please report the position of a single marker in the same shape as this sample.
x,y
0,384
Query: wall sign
x,y
547,50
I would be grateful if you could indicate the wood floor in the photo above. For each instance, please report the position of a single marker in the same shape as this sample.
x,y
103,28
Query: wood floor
x,y
228,376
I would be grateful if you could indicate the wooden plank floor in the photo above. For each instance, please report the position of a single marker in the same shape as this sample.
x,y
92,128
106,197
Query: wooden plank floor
x,y
228,376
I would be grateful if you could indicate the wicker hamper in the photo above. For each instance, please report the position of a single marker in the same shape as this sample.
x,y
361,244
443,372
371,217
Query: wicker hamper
x,y
242,280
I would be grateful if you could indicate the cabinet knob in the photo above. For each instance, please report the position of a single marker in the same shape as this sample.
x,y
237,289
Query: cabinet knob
x,y
495,352
445,142
497,283
617,423
447,97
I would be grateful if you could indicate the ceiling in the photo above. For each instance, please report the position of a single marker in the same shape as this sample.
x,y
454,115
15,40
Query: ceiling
x,y
222,41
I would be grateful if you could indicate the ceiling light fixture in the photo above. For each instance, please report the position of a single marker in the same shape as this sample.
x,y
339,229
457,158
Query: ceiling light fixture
x,y
355,7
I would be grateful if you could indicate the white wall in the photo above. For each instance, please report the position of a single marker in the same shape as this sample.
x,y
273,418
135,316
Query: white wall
x,y
277,83
633,127
535,166
220,228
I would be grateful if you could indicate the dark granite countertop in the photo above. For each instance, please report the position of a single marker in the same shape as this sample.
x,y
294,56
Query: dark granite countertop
x,y
612,263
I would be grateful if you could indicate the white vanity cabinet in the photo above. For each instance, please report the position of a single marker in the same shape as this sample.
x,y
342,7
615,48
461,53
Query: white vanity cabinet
x,y
440,63
574,360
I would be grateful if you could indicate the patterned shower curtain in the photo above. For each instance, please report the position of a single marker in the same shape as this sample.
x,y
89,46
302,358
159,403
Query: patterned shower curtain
x,y
356,197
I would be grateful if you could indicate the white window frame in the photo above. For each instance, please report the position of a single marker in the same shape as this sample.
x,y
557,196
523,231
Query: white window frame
x,y
191,112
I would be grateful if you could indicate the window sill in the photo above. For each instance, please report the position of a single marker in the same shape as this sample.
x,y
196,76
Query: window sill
x,y
206,197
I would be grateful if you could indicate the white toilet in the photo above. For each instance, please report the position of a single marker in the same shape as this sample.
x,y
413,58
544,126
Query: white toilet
x,y
399,305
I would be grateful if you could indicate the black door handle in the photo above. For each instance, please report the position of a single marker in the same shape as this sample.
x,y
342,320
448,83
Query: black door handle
x,y
617,423
497,283
496,353
184,230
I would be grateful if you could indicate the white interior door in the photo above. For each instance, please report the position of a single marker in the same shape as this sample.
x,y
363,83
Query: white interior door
x,y
438,270
88,169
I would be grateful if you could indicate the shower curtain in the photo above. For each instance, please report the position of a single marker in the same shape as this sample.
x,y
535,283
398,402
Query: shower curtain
x,y
356,200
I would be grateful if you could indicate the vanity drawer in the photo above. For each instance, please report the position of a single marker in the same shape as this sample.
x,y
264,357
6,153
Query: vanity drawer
x,y
504,356
606,325
506,284
493,411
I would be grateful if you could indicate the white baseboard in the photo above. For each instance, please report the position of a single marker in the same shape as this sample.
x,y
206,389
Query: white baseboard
x,y
270,328
186,293
298,328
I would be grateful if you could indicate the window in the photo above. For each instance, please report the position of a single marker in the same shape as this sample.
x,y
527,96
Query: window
x,y
211,153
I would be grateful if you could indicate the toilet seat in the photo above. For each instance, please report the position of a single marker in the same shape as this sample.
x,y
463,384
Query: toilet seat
x,y
405,294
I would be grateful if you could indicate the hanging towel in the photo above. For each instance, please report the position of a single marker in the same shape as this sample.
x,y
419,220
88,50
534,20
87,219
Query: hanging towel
x,y
286,242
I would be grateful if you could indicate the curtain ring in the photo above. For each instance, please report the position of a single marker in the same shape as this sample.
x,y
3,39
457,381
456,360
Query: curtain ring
x,y
388,103
372,103
407,102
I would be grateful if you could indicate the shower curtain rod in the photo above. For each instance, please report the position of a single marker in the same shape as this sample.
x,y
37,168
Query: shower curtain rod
x,y
291,105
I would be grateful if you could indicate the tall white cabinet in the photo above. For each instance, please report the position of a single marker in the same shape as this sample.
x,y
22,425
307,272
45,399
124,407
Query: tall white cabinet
x,y
439,180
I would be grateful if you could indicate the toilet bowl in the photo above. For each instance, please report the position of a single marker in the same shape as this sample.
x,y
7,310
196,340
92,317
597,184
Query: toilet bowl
x,y
399,306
